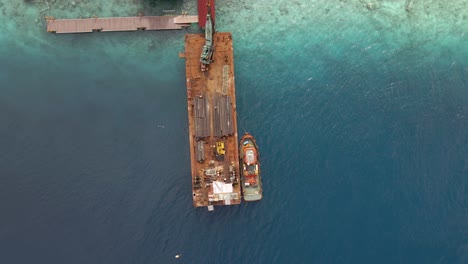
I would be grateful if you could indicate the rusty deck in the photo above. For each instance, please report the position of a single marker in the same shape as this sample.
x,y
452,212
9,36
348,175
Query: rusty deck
x,y
113,24
211,102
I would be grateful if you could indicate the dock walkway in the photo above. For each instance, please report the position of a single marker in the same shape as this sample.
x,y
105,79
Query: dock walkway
x,y
113,24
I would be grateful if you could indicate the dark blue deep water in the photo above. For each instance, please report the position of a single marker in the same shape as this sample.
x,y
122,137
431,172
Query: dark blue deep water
x,y
361,116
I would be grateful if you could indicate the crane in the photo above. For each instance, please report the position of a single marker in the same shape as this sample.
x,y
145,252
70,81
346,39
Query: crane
x,y
207,53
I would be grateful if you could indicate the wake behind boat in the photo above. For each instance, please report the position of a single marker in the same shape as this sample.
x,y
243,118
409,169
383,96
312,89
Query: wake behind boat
x,y
250,166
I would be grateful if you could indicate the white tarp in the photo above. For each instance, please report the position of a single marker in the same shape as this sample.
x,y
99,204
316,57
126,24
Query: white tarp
x,y
221,187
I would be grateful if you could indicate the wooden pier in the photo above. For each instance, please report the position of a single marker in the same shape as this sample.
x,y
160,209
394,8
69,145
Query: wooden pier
x,y
113,24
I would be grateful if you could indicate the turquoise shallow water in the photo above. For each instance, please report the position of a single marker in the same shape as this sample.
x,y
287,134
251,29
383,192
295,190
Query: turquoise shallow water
x,y
359,107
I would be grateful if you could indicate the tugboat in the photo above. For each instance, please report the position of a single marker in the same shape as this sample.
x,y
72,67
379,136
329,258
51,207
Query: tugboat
x,y
250,166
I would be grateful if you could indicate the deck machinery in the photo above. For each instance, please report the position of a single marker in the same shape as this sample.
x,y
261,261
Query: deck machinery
x,y
207,53
211,103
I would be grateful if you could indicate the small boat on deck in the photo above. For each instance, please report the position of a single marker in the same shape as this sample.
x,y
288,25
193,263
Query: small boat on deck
x,y
250,167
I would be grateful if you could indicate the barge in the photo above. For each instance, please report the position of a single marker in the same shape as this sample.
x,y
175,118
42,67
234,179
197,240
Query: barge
x,y
212,118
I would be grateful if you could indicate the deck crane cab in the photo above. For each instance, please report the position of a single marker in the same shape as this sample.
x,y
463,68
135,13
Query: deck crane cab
x,y
220,150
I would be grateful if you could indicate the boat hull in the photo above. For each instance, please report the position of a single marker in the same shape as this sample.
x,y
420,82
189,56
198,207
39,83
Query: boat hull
x,y
250,169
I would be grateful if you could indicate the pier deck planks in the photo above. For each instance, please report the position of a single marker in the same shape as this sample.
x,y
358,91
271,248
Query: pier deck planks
x,y
113,24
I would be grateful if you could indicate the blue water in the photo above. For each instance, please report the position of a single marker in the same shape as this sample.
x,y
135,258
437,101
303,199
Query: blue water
x,y
361,116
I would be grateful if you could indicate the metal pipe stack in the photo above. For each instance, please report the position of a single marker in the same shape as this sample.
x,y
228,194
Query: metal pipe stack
x,y
202,121
225,86
229,126
222,117
200,151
